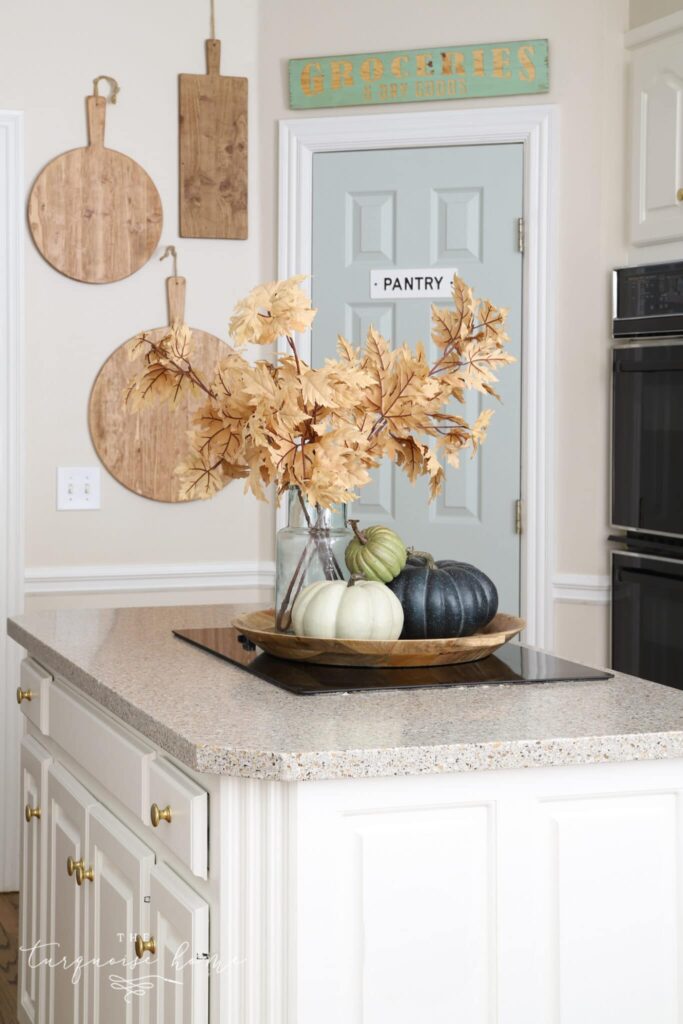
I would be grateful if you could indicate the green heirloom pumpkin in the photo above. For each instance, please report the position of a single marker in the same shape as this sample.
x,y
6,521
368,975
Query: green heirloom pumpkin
x,y
377,553
443,599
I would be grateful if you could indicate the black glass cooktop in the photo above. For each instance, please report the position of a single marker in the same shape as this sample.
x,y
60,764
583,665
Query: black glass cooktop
x,y
513,663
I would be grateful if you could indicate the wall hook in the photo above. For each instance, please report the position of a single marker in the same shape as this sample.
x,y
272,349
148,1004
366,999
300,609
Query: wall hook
x,y
114,87
170,250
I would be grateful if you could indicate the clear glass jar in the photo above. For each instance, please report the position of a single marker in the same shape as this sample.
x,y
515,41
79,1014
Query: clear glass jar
x,y
311,547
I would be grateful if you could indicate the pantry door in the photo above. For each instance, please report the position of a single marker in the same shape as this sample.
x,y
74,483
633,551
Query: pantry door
x,y
437,209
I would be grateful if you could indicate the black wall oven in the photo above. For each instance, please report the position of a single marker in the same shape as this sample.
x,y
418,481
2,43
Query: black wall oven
x,y
647,437
647,473
647,616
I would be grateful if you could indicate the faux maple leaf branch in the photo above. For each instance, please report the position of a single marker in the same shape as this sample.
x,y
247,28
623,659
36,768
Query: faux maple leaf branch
x,y
323,430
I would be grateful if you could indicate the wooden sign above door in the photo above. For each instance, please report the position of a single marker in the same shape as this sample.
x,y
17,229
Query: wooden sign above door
x,y
409,76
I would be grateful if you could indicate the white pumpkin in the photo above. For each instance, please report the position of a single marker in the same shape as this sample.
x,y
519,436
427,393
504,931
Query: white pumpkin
x,y
348,610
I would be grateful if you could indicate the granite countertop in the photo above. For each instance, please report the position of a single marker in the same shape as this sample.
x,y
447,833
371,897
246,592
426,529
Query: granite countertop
x,y
216,718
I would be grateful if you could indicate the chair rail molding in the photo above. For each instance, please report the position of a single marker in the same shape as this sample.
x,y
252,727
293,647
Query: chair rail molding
x,y
11,475
536,127
582,589
166,576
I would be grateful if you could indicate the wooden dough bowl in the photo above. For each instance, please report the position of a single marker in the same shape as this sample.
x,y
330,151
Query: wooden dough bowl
x,y
259,627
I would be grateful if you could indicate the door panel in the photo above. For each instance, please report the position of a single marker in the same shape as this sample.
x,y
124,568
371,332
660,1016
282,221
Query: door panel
x,y
68,804
608,871
115,913
34,762
454,206
395,916
179,925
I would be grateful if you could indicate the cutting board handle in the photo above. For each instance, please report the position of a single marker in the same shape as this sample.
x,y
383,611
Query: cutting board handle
x,y
175,289
213,56
96,106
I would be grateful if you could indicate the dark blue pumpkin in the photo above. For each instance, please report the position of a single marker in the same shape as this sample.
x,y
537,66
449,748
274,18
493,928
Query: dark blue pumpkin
x,y
442,599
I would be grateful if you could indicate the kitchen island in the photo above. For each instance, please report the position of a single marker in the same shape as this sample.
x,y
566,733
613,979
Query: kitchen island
x,y
465,854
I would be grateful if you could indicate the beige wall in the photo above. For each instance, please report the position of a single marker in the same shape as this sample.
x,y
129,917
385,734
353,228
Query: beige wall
x,y
642,11
71,328
49,54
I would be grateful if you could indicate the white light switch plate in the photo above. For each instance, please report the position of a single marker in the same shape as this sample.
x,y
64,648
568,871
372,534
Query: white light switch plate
x,y
78,487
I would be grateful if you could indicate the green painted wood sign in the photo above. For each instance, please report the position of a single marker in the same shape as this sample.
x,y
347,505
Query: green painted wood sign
x,y
409,76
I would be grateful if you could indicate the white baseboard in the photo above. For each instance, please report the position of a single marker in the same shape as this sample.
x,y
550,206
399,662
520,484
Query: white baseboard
x,y
107,579
583,589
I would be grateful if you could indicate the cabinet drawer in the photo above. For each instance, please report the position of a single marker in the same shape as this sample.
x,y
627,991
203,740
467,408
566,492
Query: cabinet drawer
x,y
116,760
34,680
180,798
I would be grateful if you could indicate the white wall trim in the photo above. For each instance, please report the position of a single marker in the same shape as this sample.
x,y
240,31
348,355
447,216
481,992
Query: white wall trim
x,y
110,579
11,475
536,127
653,30
582,589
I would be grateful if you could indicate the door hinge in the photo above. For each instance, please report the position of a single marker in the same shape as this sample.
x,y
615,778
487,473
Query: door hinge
x,y
518,515
520,234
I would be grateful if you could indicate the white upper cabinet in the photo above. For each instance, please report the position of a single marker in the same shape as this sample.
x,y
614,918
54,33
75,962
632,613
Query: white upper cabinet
x,y
656,115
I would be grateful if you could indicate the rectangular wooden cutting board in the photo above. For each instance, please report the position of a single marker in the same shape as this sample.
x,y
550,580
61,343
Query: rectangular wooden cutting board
x,y
213,141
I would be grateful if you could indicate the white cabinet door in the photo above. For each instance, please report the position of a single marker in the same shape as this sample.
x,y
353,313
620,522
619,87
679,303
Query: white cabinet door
x,y
606,870
115,912
395,915
67,808
178,965
657,141
34,762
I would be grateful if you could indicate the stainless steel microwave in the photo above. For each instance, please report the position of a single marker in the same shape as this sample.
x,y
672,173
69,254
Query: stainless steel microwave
x,y
648,301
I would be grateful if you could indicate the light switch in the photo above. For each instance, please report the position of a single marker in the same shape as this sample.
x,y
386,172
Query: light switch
x,y
78,488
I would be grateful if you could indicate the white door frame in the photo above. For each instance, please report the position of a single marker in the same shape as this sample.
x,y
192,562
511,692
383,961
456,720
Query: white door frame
x,y
11,479
536,128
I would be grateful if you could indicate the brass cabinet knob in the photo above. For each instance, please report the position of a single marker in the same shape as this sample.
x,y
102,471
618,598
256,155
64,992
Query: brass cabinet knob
x,y
158,814
73,865
32,812
143,946
679,195
83,873
23,695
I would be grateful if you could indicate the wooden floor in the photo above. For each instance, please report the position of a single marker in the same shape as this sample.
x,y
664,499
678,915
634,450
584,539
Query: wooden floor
x,y
9,931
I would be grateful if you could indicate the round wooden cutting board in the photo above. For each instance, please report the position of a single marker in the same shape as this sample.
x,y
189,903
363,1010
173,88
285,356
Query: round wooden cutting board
x,y
142,448
95,214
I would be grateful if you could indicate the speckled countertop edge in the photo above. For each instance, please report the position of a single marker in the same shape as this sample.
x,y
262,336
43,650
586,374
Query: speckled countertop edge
x,y
366,763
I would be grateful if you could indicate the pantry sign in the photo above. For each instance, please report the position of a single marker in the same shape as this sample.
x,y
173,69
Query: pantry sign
x,y
409,76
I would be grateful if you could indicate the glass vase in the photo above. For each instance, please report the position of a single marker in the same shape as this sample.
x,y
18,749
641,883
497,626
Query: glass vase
x,y
310,548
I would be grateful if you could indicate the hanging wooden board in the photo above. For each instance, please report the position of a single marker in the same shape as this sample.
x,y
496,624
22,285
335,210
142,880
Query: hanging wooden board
x,y
213,152
94,213
142,448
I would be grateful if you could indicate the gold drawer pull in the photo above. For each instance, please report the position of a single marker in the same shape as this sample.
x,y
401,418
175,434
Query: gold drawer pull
x,y
83,873
73,865
32,812
143,946
23,695
158,814
679,195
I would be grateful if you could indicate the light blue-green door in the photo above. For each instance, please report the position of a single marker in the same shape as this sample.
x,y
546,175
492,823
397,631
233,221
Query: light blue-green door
x,y
407,209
